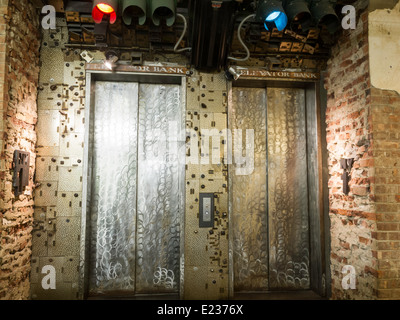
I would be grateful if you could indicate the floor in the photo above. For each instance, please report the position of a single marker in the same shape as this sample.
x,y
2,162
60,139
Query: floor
x,y
290,295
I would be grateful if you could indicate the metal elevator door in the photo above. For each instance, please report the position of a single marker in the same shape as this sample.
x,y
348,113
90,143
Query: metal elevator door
x,y
269,207
136,203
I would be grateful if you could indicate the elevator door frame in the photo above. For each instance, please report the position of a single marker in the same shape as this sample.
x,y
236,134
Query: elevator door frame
x,y
91,78
317,180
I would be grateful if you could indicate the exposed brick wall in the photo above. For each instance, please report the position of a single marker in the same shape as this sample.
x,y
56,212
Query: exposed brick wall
x,y
349,135
385,107
19,60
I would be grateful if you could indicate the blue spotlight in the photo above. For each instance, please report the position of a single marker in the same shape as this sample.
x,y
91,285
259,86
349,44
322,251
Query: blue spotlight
x,y
271,12
274,15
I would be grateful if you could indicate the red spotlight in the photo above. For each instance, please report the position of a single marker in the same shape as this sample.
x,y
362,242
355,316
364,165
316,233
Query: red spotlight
x,y
104,7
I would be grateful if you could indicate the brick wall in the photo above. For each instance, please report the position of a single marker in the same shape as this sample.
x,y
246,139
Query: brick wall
x,y
349,135
363,123
19,59
385,114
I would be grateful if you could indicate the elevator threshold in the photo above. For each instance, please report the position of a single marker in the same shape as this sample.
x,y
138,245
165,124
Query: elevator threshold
x,y
281,295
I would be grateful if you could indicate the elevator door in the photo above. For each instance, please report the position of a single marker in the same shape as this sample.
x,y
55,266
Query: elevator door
x,y
136,189
270,223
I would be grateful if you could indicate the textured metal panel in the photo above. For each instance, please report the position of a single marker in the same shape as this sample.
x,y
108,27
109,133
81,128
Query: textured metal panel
x,y
206,249
71,144
52,66
46,194
70,268
137,251
69,204
46,169
113,212
195,276
48,130
193,95
39,238
50,97
213,101
213,82
249,205
287,190
73,73
70,179
64,239
159,193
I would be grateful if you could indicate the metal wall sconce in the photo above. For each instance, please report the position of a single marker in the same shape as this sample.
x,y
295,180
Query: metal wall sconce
x,y
21,171
346,165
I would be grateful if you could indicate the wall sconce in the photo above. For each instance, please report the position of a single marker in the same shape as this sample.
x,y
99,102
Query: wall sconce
x,y
111,59
232,74
21,171
346,165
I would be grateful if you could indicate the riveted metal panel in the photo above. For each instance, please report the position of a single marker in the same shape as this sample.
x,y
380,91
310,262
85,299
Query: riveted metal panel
x,y
213,82
70,269
65,240
48,128
46,194
71,144
196,282
69,203
206,249
213,101
46,169
52,66
70,179
39,240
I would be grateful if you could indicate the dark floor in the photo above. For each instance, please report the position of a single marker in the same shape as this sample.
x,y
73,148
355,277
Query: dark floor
x,y
290,295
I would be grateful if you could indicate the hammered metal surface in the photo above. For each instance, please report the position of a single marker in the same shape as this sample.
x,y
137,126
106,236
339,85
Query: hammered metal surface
x,y
113,209
249,201
287,190
137,190
159,162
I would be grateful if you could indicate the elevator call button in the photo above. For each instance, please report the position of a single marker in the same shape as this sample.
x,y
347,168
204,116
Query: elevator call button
x,y
206,210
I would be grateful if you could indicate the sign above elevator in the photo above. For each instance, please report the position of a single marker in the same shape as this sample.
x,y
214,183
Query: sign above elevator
x,y
175,70
265,74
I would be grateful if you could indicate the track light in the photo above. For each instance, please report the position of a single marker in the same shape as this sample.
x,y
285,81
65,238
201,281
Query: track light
x,y
111,59
163,10
324,13
103,8
299,13
134,9
271,12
